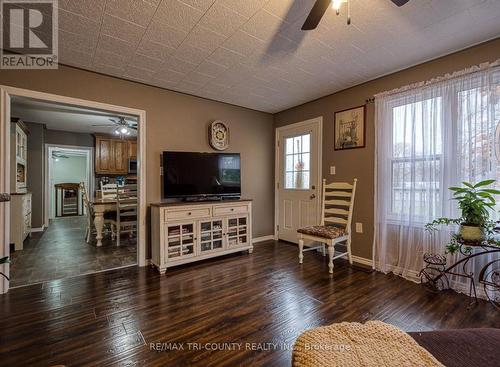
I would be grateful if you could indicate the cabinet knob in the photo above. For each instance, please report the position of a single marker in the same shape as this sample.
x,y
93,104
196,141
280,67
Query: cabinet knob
x,y
189,213
232,209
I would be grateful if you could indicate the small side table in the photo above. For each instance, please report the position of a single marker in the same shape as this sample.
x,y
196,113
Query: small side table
x,y
434,276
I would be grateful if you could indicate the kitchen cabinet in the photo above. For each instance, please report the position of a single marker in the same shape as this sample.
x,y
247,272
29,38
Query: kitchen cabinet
x,y
112,155
132,149
120,156
20,219
19,154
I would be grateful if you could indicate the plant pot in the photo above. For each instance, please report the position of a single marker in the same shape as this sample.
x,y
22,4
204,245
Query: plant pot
x,y
472,233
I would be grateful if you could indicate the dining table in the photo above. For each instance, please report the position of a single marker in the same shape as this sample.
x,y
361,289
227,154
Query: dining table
x,y
104,205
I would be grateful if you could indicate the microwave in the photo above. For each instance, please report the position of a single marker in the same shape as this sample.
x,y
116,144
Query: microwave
x,y
132,165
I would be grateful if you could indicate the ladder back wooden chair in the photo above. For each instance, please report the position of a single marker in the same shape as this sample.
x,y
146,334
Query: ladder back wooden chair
x,y
126,210
108,191
336,218
108,219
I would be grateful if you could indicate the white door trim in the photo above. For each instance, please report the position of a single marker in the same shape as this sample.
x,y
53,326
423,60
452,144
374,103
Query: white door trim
x,y
48,174
5,93
319,122
4,185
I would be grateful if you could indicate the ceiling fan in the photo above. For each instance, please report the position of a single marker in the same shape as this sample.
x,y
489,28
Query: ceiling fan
x,y
320,7
56,155
123,127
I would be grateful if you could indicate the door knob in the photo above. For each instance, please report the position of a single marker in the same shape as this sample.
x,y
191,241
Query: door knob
x,y
313,196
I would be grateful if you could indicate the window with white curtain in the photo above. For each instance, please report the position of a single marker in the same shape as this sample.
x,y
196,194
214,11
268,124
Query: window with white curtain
x,y
416,157
429,137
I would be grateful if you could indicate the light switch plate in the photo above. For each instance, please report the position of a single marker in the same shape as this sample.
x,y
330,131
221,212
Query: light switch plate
x,y
332,170
359,227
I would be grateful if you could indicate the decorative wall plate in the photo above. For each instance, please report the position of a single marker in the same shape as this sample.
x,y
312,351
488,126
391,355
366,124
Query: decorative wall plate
x,y
218,135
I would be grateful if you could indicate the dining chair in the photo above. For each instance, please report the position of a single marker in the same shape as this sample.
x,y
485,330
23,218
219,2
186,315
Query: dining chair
x,y
109,220
108,191
336,217
126,210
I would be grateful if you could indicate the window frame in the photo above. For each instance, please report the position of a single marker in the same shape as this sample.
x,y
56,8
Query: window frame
x,y
284,171
400,217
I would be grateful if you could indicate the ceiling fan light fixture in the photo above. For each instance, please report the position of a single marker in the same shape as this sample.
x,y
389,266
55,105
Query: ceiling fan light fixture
x,y
321,6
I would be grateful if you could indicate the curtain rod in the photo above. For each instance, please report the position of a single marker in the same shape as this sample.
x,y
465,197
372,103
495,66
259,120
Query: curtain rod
x,y
448,76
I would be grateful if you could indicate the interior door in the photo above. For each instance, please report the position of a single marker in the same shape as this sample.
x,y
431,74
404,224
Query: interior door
x,y
298,186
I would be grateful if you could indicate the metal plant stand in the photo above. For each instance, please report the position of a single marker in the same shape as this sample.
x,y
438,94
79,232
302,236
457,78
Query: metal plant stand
x,y
434,276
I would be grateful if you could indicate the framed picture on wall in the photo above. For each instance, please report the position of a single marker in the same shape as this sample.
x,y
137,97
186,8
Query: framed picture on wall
x,y
349,128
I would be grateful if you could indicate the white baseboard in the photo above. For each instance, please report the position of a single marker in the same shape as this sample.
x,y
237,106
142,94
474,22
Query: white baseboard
x,y
40,229
362,260
263,238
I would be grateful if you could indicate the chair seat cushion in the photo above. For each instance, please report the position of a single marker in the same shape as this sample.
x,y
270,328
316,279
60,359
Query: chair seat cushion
x,y
330,232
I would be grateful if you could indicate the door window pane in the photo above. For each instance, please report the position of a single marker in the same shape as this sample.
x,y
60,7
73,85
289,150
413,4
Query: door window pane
x,y
297,162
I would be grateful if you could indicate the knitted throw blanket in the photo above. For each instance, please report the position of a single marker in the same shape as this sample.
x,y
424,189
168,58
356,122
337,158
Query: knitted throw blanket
x,y
353,344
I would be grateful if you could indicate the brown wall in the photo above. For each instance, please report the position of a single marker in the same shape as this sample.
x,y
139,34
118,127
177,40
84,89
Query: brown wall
x,y
36,169
174,122
69,138
37,138
360,162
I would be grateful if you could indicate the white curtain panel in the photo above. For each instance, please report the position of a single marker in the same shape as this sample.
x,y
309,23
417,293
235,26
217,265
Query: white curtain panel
x,y
430,136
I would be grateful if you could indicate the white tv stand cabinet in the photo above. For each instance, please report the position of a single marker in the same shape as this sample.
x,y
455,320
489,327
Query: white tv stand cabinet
x,y
186,232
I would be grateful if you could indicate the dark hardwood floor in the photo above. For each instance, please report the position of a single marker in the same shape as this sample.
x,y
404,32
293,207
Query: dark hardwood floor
x,y
61,252
112,318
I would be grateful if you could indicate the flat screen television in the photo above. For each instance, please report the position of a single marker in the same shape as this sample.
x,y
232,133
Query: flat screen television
x,y
201,175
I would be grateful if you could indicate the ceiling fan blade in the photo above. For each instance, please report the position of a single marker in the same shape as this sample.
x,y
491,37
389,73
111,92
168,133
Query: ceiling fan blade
x,y
316,14
107,125
400,2
133,127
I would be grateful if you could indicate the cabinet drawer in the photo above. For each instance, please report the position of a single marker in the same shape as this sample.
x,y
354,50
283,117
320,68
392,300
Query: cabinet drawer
x,y
187,214
227,210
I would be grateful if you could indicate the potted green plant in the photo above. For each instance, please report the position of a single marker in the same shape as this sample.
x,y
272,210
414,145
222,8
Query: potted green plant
x,y
475,203
4,260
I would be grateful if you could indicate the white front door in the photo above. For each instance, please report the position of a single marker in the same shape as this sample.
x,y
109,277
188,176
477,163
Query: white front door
x,y
298,180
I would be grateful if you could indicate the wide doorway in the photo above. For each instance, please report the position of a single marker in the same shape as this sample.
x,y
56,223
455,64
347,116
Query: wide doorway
x,y
298,177
71,162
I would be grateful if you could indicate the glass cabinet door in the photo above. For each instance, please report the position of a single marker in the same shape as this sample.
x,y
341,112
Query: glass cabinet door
x,y
211,235
237,231
180,239
18,145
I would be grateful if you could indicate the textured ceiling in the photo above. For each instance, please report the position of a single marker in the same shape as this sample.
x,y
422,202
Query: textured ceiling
x,y
252,53
63,117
